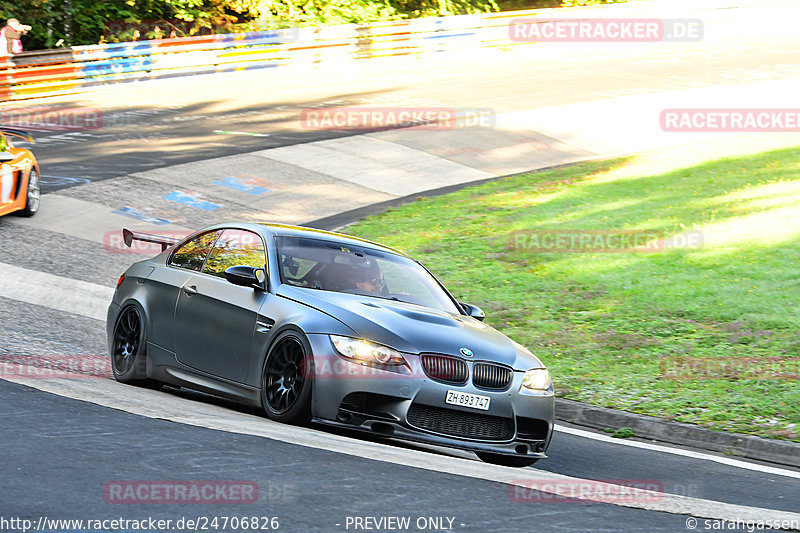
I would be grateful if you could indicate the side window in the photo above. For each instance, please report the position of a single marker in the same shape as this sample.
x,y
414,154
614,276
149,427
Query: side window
x,y
235,247
191,254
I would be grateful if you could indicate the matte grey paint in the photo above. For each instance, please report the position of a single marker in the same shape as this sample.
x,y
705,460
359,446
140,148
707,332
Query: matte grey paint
x,y
216,337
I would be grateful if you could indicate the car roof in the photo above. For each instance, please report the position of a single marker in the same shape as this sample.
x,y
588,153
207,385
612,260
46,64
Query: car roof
x,y
287,230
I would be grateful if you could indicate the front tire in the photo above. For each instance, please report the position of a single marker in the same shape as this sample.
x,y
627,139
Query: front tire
x,y
128,348
286,380
32,195
506,460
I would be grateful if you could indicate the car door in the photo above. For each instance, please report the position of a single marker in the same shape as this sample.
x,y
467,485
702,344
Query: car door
x,y
12,170
215,321
6,186
165,282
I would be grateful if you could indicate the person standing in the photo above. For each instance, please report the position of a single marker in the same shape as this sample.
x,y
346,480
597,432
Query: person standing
x,y
11,34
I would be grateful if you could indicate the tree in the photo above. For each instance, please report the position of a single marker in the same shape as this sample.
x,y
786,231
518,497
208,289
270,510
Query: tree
x,y
79,22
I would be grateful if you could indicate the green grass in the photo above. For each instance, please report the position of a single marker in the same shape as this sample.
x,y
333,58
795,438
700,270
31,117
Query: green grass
x,y
606,323
623,433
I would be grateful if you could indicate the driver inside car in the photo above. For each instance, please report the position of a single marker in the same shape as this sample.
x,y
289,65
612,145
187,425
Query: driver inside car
x,y
371,285
368,280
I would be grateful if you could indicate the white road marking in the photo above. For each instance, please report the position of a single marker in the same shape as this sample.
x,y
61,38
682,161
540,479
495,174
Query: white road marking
x,y
375,164
224,132
56,292
165,406
678,451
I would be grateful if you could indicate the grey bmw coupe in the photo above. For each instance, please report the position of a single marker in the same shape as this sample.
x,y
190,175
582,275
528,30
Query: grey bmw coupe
x,y
317,326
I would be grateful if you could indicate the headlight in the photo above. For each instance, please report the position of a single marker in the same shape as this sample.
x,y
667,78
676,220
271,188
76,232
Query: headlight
x,y
536,379
366,352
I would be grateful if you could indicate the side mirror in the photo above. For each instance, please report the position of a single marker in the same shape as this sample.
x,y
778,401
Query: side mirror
x,y
7,156
473,310
247,276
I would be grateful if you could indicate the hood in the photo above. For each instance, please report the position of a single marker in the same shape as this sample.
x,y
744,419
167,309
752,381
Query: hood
x,y
415,329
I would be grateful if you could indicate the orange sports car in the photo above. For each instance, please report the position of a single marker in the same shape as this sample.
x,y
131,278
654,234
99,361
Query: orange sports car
x,y
19,176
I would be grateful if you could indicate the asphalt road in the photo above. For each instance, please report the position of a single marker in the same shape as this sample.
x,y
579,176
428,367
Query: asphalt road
x,y
59,453
156,124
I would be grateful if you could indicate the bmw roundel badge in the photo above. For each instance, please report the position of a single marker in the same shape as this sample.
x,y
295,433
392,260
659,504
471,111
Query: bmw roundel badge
x,y
466,352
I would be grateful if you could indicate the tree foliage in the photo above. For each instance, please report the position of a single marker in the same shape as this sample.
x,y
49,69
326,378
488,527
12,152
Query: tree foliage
x,y
79,22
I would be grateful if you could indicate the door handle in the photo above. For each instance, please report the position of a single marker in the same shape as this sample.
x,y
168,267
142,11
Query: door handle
x,y
190,290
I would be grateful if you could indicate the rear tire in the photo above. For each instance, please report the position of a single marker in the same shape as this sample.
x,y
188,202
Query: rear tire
x,y
286,380
506,460
129,348
32,195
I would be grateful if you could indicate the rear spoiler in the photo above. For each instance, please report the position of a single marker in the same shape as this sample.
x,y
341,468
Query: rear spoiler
x,y
129,236
22,134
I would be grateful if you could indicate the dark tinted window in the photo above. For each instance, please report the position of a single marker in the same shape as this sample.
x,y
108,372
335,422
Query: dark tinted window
x,y
340,267
235,247
192,253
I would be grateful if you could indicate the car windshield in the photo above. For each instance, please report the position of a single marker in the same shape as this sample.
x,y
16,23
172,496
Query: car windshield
x,y
340,267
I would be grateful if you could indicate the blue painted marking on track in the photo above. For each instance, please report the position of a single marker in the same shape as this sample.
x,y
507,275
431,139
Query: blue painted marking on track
x,y
239,185
141,215
191,199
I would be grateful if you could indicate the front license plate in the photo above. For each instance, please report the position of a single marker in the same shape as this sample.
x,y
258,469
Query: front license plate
x,y
465,399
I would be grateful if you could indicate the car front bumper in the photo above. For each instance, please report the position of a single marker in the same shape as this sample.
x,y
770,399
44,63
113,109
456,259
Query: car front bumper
x,y
409,405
